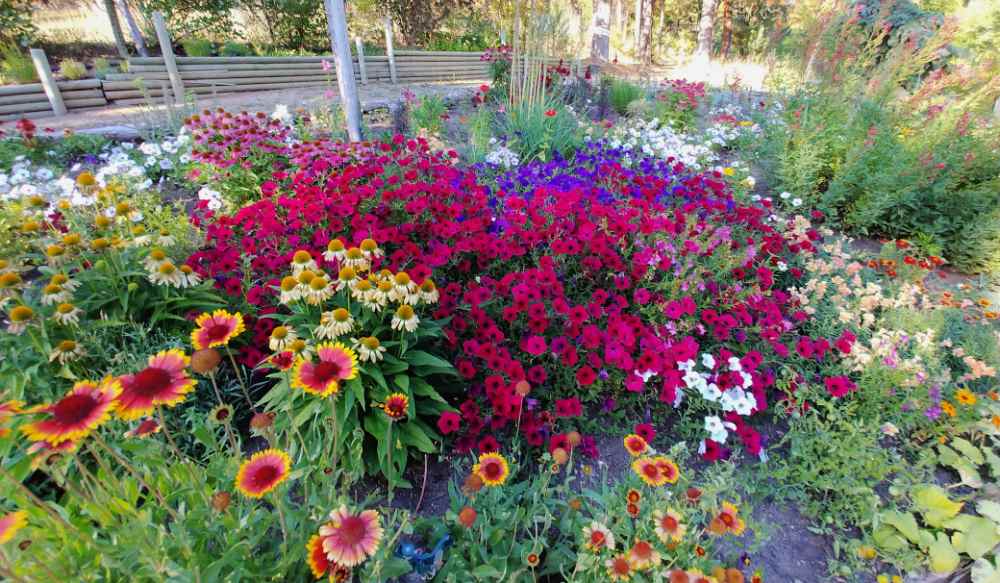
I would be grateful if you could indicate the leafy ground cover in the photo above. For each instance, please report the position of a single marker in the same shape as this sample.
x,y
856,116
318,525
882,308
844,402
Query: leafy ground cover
x,y
237,352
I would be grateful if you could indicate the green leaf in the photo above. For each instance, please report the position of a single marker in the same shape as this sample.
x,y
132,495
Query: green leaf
x,y
976,537
412,434
989,509
905,523
486,572
402,381
968,450
395,567
887,538
430,363
934,504
943,557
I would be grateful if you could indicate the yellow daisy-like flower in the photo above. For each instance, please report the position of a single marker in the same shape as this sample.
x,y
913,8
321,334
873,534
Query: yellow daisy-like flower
x,y
965,397
492,469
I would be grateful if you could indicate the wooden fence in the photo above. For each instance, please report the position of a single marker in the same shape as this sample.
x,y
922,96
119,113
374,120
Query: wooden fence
x,y
17,101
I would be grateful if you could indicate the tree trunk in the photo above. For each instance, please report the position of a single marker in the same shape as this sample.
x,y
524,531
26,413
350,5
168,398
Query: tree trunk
x,y
646,36
727,28
336,23
600,29
140,43
116,28
637,30
706,29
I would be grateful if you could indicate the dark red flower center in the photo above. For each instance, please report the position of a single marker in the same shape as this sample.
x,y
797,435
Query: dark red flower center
x,y
727,519
217,332
597,538
642,549
74,409
265,475
669,523
352,530
151,381
222,414
327,371
652,472
492,470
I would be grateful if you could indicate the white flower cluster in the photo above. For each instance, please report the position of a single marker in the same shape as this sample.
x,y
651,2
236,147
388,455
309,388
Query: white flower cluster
x,y
501,156
649,138
214,198
736,399
121,161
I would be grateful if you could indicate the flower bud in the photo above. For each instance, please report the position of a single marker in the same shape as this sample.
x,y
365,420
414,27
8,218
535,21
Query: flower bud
x,y
220,501
574,438
205,360
467,516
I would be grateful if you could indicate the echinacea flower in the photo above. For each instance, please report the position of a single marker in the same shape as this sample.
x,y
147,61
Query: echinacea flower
x,y
597,537
492,468
216,329
334,323
67,314
167,274
263,472
66,351
395,406
301,261
669,525
281,338
369,348
85,407
727,520
405,319
10,523
619,568
19,317
164,382
335,363
635,445
349,538
335,250
643,556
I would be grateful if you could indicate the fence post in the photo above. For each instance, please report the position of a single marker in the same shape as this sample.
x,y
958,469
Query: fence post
x,y
361,59
336,22
167,50
389,51
48,81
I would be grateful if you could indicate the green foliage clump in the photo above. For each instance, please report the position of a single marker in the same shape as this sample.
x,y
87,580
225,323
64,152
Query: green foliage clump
x,y
621,93
235,49
16,66
536,130
428,115
72,69
198,47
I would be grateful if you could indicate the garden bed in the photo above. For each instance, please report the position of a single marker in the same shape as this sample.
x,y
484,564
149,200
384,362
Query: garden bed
x,y
564,339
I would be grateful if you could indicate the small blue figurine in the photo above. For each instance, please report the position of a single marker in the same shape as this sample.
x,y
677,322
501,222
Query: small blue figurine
x,y
424,564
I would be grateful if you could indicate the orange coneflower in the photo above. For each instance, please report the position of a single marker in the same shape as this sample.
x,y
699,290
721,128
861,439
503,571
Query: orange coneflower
x,y
164,382
492,469
348,538
635,445
216,329
12,522
727,521
263,472
396,405
335,363
86,406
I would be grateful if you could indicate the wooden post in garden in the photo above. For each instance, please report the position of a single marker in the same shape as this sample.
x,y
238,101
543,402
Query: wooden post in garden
x,y
137,38
389,51
48,81
169,61
336,23
361,59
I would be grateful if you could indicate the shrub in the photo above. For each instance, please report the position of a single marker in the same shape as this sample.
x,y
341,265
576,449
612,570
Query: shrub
x,y
621,93
101,67
540,129
428,115
15,66
235,49
198,47
72,69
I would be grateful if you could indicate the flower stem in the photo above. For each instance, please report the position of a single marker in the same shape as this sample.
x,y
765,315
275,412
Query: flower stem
x,y
391,471
169,436
243,384
39,502
135,473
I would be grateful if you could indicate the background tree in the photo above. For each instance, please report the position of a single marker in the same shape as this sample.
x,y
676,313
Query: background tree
x,y
15,22
706,29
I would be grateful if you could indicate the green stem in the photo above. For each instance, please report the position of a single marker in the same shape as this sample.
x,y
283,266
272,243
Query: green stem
x,y
135,473
391,471
38,501
169,436
243,385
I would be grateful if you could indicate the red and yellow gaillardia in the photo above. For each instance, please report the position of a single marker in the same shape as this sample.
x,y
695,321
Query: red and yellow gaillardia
x,y
395,406
492,469
619,568
84,408
10,523
598,537
635,445
668,469
350,538
334,363
669,525
216,329
263,472
649,472
643,556
163,383
727,520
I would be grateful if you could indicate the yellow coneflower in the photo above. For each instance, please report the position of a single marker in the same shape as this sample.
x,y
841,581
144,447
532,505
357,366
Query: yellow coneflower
x,y
965,397
10,280
155,259
191,278
428,292
301,261
139,236
165,239
20,317
346,277
362,290
71,239
67,314
55,253
99,244
66,351
405,319
102,221
334,323
167,274
355,258
369,348
54,294
319,290
404,291
281,338
334,250
63,280
30,227
290,291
